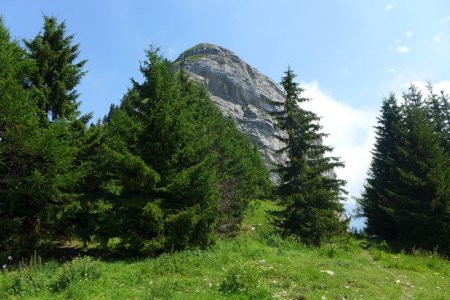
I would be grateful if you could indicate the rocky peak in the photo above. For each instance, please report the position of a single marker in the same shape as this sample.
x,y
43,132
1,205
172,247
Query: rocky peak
x,y
240,91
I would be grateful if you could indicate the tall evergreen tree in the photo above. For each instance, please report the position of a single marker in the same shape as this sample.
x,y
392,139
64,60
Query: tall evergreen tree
x,y
422,193
376,201
167,160
309,192
438,111
57,72
406,198
36,160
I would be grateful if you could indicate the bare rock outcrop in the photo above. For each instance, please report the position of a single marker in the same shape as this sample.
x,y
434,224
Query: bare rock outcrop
x,y
241,92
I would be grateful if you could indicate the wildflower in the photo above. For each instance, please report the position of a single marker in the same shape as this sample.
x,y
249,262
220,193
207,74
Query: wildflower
x,y
397,281
10,258
262,261
331,273
4,266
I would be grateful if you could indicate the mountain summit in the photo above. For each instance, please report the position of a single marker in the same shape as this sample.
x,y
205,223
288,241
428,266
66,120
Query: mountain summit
x,y
240,91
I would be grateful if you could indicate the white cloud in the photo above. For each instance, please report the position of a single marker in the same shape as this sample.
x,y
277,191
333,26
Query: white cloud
x,y
409,34
445,20
437,38
402,49
388,7
443,85
350,131
369,51
391,70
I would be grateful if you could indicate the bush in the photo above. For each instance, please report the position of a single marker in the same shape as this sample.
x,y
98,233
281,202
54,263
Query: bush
x,y
26,280
78,269
244,280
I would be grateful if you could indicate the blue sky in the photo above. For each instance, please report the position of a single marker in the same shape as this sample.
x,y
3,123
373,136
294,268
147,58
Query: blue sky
x,y
348,53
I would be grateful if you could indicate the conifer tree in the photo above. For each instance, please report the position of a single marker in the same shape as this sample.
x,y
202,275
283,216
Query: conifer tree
x,y
36,160
422,192
57,71
376,201
406,198
438,112
309,193
167,160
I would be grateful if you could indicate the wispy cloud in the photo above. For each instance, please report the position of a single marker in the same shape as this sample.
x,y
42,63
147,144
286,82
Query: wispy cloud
x,y
445,20
443,85
409,34
388,7
391,70
369,51
343,70
350,131
402,49
437,38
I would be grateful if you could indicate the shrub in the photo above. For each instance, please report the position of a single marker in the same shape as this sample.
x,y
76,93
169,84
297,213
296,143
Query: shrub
x,y
27,279
245,280
78,269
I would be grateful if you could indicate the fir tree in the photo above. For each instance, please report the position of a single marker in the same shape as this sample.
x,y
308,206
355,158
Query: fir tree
x,y
35,164
57,72
421,195
376,201
309,192
170,168
406,198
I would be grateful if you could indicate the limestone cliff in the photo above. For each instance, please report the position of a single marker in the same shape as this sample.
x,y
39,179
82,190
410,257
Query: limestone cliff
x,y
240,91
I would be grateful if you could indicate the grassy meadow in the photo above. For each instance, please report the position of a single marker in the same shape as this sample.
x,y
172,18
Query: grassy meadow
x,y
257,264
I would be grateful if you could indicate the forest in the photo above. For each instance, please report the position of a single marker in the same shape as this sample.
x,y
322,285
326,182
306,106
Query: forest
x,y
165,171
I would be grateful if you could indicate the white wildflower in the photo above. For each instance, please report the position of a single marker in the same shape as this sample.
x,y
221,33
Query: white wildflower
x,y
331,273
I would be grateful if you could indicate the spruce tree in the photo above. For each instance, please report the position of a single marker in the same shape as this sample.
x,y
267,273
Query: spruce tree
x,y
406,198
376,201
422,192
57,71
306,187
36,160
170,169
438,112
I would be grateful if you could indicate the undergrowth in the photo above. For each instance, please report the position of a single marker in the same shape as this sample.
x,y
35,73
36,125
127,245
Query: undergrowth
x,y
257,264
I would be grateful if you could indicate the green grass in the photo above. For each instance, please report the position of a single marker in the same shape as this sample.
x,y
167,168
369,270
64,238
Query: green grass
x,y
257,264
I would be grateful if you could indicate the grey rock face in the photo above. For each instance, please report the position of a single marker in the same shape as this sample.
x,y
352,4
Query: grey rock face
x,y
241,92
